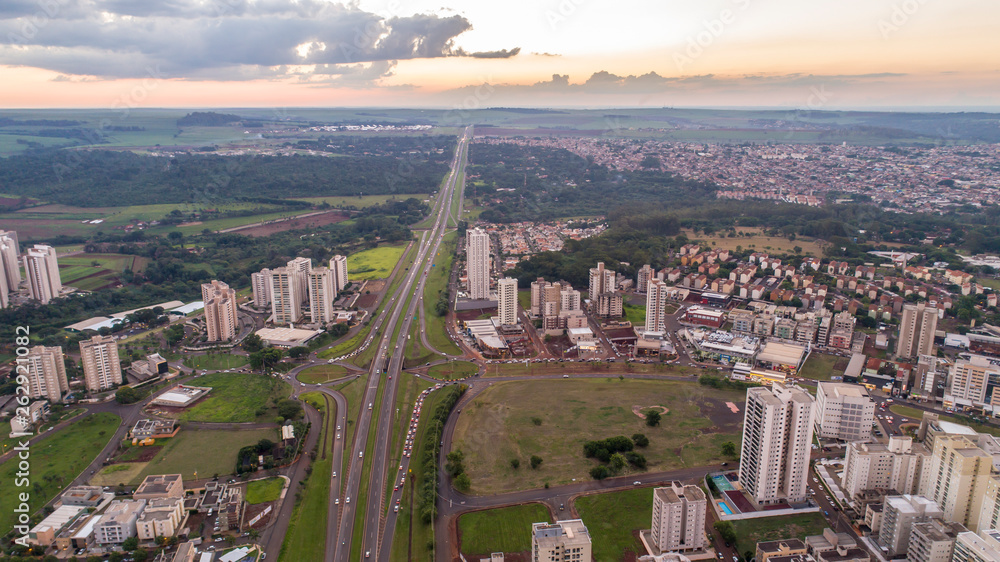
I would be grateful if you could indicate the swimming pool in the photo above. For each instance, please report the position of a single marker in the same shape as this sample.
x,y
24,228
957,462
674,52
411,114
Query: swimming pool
x,y
725,508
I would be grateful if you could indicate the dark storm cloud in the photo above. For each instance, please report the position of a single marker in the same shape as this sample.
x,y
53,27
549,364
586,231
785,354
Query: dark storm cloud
x,y
219,39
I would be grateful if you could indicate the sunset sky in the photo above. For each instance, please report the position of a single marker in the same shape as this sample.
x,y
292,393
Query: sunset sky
x,y
586,53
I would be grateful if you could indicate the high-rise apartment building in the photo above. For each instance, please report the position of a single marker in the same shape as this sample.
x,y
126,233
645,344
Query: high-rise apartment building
x,y
302,266
569,299
322,293
777,434
899,513
982,547
897,465
642,279
338,264
537,296
286,300
956,476
656,306
477,256
42,269
916,330
221,323
46,372
973,381
678,522
507,301
844,411
989,511
11,266
261,283
562,541
933,541
601,281
101,367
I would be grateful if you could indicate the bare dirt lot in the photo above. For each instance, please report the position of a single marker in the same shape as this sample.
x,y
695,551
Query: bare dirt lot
x,y
314,221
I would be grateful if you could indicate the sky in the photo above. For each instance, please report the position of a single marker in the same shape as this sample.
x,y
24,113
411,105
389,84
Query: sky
x,y
816,54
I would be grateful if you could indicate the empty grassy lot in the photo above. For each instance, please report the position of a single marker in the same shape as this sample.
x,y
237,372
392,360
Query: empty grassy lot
x,y
752,531
437,284
79,271
205,451
307,528
500,530
260,491
51,468
374,263
215,361
322,373
360,202
820,367
757,241
611,519
635,314
236,397
452,370
518,419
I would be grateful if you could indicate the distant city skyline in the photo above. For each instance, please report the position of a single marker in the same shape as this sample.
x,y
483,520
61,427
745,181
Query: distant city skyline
x,y
556,53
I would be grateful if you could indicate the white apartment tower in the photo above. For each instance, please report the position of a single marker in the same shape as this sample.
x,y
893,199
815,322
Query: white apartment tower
x,y
42,269
338,264
916,330
656,306
286,300
507,301
970,378
601,281
302,266
477,255
777,434
537,296
8,260
646,273
563,541
569,299
101,367
896,466
261,283
899,513
982,547
844,411
678,522
46,372
322,293
221,323
956,477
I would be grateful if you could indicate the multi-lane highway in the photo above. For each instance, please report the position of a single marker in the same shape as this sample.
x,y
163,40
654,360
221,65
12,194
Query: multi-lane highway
x,y
386,365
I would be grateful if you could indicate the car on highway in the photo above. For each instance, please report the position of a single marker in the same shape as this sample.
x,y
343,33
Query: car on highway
x,y
348,499
336,501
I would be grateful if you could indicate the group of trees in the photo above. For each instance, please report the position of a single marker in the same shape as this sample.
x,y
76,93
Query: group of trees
x,y
617,453
428,468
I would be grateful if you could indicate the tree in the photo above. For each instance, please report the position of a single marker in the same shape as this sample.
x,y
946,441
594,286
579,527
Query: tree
x,y
454,464
140,555
535,461
128,395
729,449
462,482
515,463
289,409
130,544
617,463
599,472
640,440
652,418
726,530
298,352
252,343
266,358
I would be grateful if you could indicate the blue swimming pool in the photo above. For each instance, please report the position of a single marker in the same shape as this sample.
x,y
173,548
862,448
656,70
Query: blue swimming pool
x,y
725,508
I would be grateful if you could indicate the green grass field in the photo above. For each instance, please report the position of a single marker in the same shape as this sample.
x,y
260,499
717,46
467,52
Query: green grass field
x,y
51,468
236,398
752,531
820,367
635,314
498,425
437,283
360,202
507,529
452,370
205,451
611,518
260,491
215,361
374,263
306,534
79,271
322,373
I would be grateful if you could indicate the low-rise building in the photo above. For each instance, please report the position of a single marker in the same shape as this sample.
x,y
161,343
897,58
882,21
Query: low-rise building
x,y
160,486
119,521
786,547
162,517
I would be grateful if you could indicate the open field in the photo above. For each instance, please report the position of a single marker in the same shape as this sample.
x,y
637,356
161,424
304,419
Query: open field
x,y
205,451
322,373
820,367
916,415
260,491
215,361
360,202
119,473
635,314
79,271
752,531
313,221
452,370
307,527
517,419
236,398
500,530
51,468
755,239
374,263
612,518
437,284
588,367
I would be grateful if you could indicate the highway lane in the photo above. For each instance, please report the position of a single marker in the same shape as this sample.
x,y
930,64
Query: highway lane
x,y
388,361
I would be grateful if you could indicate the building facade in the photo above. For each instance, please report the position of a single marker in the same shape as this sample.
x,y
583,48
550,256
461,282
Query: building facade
x,y
477,256
286,298
656,305
916,330
261,283
678,522
42,269
507,301
844,411
322,293
338,265
45,368
101,367
899,513
562,541
221,323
